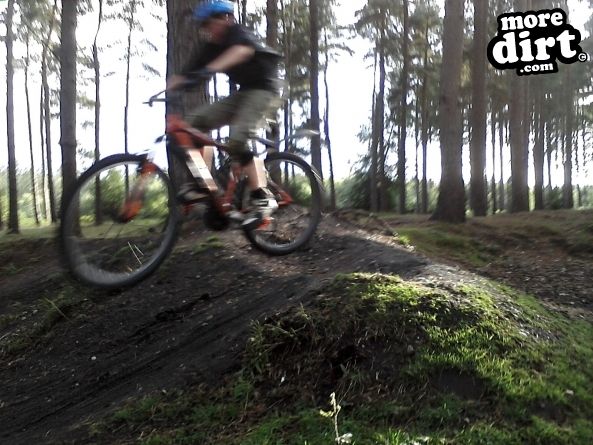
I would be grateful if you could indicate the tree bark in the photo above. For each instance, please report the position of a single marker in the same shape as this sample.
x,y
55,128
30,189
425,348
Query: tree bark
x,y
30,128
272,42
478,197
519,148
425,123
182,40
374,197
44,206
403,118
538,153
314,84
501,188
567,189
130,19
47,117
97,69
332,186
68,95
493,142
13,216
451,200
380,130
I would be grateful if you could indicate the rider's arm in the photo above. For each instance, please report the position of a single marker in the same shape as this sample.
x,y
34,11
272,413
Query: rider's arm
x,y
175,81
233,56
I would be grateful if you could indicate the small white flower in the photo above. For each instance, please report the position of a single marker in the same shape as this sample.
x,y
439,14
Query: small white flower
x,y
344,438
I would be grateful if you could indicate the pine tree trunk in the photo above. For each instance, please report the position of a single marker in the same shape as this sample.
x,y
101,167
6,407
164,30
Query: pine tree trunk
x,y
416,151
68,95
493,143
478,197
48,147
538,153
374,198
451,201
44,207
567,189
403,122
425,123
30,128
286,39
519,148
47,116
131,18
380,134
272,42
314,84
549,164
244,11
97,69
13,216
501,188
332,186
182,39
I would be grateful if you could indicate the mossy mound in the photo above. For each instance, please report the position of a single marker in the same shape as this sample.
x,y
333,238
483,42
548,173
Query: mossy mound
x,y
408,363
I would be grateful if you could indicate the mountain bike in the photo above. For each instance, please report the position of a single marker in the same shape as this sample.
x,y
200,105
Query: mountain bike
x,y
123,216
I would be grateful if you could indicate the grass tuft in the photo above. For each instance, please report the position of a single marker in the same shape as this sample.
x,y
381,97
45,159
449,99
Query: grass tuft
x,y
408,363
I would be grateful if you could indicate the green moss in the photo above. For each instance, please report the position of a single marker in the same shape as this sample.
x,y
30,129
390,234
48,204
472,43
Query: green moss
x,y
441,241
408,362
212,242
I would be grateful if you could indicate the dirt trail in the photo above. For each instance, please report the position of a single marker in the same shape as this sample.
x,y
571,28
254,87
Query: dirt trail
x,y
186,324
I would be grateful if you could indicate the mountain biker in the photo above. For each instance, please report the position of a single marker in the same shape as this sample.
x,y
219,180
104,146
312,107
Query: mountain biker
x,y
232,49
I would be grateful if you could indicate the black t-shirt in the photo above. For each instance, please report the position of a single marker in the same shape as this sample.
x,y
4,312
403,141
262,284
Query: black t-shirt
x,y
260,72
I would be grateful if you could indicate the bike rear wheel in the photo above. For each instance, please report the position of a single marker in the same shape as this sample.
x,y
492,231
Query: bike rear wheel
x,y
298,191
119,223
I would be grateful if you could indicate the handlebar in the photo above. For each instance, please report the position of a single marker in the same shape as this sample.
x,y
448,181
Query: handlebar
x,y
188,83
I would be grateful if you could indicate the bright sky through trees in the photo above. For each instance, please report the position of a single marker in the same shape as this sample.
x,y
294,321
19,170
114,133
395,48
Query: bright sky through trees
x,y
350,80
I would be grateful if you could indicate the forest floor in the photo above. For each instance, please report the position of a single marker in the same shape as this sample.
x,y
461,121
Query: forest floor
x,y
71,356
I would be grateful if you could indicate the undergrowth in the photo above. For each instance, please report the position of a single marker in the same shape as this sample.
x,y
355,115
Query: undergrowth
x,y
408,363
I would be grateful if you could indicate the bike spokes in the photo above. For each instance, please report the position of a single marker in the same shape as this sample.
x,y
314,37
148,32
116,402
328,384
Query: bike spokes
x,y
118,223
297,193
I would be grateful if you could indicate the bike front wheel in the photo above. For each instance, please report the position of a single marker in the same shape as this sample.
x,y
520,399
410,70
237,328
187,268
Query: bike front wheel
x,y
119,223
297,189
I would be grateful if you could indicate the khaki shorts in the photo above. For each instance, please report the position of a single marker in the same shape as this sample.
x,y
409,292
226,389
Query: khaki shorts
x,y
242,110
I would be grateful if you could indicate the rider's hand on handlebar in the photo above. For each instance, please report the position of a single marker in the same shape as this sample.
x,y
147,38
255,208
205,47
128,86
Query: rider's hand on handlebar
x,y
202,75
175,82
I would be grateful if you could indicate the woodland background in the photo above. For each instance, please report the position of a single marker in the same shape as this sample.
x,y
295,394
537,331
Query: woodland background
x,y
540,123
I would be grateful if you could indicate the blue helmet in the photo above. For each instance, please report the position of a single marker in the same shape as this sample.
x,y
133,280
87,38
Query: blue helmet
x,y
209,8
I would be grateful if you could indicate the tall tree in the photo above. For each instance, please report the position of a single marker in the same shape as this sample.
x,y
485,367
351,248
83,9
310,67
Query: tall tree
x,y
539,149
13,217
29,126
130,19
478,196
68,95
97,70
451,200
332,186
403,123
182,39
46,99
519,136
314,84
567,188
272,42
